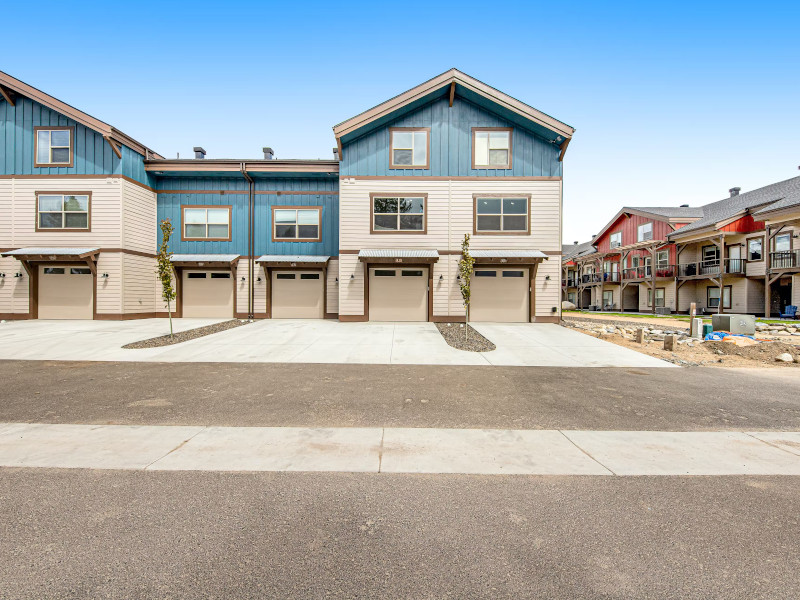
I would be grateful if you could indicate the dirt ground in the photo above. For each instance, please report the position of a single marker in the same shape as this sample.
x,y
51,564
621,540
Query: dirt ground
x,y
708,354
663,322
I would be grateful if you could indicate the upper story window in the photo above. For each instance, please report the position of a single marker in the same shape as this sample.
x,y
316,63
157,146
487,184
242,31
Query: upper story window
x,y
404,214
754,249
296,223
644,232
410,147
782,242
491,148
207,223
662,259
616,239
710,254
54,146
63,212
496,215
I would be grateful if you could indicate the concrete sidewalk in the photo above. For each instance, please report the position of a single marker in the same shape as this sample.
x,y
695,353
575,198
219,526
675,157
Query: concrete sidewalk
x,y
399,450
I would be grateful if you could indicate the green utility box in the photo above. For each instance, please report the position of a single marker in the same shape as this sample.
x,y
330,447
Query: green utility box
x,y
707,329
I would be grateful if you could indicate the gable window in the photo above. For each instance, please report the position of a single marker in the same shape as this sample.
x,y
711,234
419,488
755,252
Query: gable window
x,y
65,212
491,148
497,215
712,297
644,232
409,147
754,249
207,223
296,223
616,239
54,146
404,214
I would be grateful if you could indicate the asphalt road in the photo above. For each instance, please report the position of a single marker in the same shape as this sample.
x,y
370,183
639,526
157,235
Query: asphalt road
x,y
399,396
104,534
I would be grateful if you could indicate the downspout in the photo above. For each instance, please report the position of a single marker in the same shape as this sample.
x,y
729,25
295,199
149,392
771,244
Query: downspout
x,y
250,242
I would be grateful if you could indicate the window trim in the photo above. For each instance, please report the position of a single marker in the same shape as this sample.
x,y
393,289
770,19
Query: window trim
x,y
36,162
206,206
775,241
475,198
372,229
427,131
510,131
611,241
722,298
650,297
652,233
666,264
275,207
747,248
86,229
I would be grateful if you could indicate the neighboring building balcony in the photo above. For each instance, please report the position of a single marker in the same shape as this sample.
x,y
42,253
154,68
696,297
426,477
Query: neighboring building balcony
x,y
646,273
612,277
712,268
569,282
591,279
787,260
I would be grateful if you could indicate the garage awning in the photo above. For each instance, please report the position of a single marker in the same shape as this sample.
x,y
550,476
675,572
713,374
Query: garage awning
x,y
293,260
514,257
52,254
204,260
397,255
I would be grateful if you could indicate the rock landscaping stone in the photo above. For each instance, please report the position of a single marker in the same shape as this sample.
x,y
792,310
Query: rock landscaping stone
x,y
785,357
453,334
185,336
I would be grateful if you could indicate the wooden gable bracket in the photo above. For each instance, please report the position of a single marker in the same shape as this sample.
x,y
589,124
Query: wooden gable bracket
x,y
563,147
339,146
772,234
7,94
452,93
114,146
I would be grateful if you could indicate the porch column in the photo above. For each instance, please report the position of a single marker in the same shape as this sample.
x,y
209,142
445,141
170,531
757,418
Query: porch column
x,y
767,267
722,266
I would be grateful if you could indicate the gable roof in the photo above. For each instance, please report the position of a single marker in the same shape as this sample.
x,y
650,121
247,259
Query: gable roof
x,y
742,204
9,83
792,200
674,214
572,251
452,82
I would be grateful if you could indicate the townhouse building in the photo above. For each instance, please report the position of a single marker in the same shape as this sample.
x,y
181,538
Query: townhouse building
x,y
734,255
372,234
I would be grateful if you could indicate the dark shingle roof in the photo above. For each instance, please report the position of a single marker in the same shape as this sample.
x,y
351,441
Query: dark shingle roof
x,y
789,201
570,251
670,212
730,207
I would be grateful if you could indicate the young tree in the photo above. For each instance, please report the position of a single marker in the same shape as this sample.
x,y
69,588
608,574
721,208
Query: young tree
x,y
165,269
465,269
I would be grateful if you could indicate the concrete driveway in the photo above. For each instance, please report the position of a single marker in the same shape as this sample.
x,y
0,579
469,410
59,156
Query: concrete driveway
x,y
313,341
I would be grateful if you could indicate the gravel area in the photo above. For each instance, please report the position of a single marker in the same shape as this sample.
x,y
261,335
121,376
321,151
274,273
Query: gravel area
x,y
671,324
185,336
453,333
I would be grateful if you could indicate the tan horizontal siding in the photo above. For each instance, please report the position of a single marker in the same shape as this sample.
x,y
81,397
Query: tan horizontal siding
x,y
139,226
109,289
332,297
139,284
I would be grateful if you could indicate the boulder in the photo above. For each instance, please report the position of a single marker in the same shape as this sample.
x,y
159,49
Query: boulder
x,y
567,305
785,357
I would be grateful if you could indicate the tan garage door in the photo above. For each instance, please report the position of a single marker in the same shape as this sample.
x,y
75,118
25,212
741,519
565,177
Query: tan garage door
x,y
298,295
207,294
500,295
398,294
65,292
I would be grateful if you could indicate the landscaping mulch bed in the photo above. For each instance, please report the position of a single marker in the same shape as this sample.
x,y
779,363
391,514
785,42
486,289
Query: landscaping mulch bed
x,y
185,336
453,334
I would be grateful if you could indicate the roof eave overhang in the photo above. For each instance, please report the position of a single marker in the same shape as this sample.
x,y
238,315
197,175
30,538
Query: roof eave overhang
x,y
73,113
510,260
449,78
52,257
236,166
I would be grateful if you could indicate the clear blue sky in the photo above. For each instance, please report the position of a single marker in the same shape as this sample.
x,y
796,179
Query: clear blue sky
x,y
673,102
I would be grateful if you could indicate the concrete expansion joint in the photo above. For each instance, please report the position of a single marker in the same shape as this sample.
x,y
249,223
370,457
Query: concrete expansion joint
x,y
571,441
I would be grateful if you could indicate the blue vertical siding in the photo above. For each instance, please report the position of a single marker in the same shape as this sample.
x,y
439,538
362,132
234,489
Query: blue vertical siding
x,y
236,195
92,154
451,145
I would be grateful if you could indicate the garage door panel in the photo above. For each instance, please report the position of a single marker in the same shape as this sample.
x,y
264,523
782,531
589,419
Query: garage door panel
x,y
207,294
500,295
298,295
398,294
66,292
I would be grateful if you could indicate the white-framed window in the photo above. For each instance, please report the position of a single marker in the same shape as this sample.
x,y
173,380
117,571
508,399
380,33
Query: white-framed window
x,y
635,260
53,146
615,240
502,215
608,298
296,223
754,249
712,297
65,212
644,232
491,148
659,297
403,214
409,148
209,223
662,259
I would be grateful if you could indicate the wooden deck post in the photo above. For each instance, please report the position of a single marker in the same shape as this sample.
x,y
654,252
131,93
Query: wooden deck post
x,y
767,268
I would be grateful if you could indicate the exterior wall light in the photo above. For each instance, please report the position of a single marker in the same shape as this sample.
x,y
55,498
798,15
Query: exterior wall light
x,y
17,274
352,276
547,278
441,277
104,275
2,275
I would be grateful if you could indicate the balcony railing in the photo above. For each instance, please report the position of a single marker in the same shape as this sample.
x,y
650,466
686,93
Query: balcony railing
x,y
591,278
786,259
646,272
569,282
733,266
611,277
